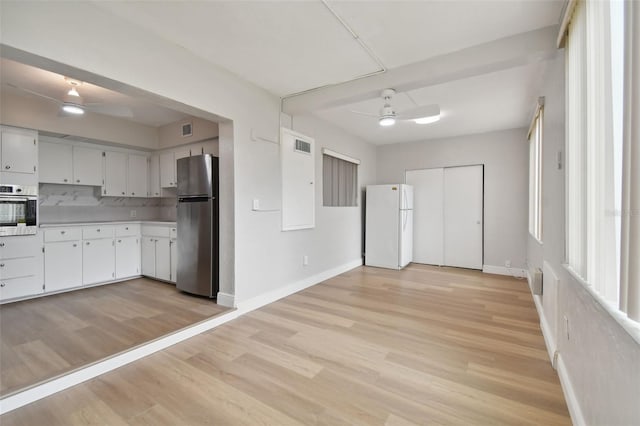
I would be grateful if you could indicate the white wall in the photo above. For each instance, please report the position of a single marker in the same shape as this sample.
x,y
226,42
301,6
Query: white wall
x,y
170,135
504,155
600,359
112,51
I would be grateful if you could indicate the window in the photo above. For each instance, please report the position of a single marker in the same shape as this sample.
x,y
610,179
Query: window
x,y
339,180
597,241
535,173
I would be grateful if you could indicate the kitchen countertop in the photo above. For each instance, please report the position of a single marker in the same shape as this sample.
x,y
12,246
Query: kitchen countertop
x,y
118,222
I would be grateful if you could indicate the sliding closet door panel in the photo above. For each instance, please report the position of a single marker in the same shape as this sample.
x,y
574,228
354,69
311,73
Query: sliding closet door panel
x,y
463,194
428,215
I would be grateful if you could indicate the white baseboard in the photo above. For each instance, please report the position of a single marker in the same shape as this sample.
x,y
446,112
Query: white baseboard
x,y
569,394
83,374
546,331
225,299
272,296
503,270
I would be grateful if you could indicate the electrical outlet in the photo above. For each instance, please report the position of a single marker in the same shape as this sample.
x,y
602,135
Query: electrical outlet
x,y
566,327
133,213
507,263
305,260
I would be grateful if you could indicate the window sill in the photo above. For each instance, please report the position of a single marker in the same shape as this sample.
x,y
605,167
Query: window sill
x,y
630,326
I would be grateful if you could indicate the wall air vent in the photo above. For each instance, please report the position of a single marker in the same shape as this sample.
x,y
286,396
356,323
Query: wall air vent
x,y
302,146
187,130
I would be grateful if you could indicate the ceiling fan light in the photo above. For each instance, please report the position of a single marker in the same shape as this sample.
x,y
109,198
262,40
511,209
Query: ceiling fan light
x,y
73,109
427,120
387,121
73,92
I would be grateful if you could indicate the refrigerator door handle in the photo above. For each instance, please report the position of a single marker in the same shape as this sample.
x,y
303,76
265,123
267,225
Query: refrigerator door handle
x,y
404,220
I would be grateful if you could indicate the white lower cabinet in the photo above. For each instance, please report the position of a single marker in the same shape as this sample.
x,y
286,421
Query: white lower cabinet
x,y
174,260
127,257
98,261
163,259
62,265
156,257
20,266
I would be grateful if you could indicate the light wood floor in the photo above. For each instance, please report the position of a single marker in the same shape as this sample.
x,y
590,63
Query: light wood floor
x,y
370,347
42,338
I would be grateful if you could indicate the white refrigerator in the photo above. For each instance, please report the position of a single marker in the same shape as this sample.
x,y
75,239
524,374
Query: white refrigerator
x,y
389,226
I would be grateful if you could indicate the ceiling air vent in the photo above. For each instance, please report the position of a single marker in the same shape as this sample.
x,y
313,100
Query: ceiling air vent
x,y
302,146
187,130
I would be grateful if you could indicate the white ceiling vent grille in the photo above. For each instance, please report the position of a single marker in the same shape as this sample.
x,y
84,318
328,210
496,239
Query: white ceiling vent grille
x,y
302,146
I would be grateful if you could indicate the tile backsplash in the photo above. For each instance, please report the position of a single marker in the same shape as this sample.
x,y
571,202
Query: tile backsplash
x,y
75,203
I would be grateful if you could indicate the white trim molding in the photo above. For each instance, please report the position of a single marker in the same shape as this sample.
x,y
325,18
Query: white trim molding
x,y
569,394
327,151
226,299
503,270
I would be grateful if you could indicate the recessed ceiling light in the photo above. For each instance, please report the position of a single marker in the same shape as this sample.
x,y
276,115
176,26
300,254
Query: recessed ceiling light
x,y
73,109
427,120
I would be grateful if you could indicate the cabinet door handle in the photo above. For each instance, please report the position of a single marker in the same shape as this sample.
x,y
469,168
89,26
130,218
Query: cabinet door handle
x,y
126,228
75,245
78,180
66,180
1,244
2,285
119,241
133,193
63,232
7,167
1,265
98,230
88,243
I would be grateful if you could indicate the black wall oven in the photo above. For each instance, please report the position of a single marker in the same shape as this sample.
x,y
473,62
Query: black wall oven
x,y
18,210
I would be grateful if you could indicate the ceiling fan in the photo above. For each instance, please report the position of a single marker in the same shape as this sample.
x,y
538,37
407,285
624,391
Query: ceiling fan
x,y
388,116
73,104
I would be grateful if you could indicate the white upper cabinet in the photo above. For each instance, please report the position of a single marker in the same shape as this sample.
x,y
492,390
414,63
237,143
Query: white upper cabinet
x,y
18,150
115,174
154,176
167,170
87,166
137,176
55,163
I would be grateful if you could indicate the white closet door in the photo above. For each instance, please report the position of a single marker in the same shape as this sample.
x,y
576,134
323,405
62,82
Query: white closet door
x,y
463,193
428,236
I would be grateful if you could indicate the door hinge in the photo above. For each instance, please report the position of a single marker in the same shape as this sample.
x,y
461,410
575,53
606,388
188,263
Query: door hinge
x,y
43,287
113,274
43,249
34,142
34,168
104,154
113,242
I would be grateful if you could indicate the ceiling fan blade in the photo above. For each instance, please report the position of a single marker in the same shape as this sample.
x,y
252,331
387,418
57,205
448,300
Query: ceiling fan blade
x,y
113,110
368,114
420,112
58,101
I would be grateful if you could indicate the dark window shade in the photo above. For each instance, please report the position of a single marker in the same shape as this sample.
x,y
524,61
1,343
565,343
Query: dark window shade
x,y
339,182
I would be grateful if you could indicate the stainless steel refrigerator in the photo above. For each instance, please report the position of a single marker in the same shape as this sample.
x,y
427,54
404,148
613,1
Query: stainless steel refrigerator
x,y
198,265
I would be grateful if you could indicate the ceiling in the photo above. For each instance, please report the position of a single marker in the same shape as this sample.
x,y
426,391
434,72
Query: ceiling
x,y
54,86
293,47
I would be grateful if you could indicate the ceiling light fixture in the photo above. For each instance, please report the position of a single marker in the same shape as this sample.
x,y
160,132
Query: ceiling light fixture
x,y
72,109
427,120
73,92
387,121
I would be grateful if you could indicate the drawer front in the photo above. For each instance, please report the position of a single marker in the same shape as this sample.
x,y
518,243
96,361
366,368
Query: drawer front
x,y
95,232
130,230
24,246
155,231
20,287
16,268
62,234
173,232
